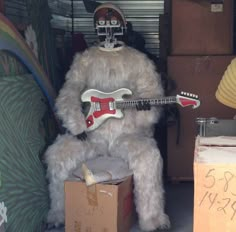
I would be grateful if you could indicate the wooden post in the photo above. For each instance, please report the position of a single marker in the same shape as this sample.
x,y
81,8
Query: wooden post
x,y
2,6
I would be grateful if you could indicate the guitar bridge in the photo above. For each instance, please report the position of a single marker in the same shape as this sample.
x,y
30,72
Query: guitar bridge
x,y
111,106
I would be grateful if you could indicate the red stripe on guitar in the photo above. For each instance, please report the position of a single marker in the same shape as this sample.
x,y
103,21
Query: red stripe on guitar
x,y
89,121
104,106
187,102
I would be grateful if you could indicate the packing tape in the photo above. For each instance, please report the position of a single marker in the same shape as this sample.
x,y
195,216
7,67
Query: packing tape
x,y
92,195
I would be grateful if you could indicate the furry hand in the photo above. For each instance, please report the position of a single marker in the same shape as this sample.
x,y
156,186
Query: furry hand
x,y
143,105
82,136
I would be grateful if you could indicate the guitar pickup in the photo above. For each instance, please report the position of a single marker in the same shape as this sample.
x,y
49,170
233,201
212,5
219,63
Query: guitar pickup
x,y
111,106
97,106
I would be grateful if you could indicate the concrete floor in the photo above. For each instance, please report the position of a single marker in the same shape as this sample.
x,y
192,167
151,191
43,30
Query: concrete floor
x,y
179,203
180,206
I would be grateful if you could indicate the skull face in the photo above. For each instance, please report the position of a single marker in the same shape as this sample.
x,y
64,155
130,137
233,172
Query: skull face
x,y
109,24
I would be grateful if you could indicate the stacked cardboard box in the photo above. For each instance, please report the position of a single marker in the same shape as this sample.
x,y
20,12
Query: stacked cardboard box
x,y
202,28
201,49
199,75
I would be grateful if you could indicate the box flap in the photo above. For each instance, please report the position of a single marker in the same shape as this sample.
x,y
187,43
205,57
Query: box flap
x,y
221,149
73,178
217,141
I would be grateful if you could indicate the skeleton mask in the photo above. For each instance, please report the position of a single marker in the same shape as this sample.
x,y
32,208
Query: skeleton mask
x,y
110,25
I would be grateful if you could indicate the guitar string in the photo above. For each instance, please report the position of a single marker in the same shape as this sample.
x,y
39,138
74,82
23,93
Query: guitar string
x,y
171,99
120,103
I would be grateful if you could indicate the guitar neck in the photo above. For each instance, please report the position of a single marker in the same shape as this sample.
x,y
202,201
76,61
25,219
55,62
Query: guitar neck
x,y
153,102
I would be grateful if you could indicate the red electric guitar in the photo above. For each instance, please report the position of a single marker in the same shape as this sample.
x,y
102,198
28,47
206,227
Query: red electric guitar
x,y
103,106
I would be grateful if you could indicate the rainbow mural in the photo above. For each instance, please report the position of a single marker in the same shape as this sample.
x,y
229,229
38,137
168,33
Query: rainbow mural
x,y
12,41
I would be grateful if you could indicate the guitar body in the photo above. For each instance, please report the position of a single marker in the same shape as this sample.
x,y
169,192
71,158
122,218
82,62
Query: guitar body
x,y
103,106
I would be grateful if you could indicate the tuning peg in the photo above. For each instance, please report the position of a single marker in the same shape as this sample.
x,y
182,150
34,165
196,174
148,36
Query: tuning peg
x,y
189,94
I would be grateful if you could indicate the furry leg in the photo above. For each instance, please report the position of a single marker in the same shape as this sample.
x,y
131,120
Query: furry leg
x,y
62,157
145,160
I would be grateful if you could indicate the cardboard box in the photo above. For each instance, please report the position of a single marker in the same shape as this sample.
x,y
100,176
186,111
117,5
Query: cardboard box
x,y
99,208
198,28
198,75
215,184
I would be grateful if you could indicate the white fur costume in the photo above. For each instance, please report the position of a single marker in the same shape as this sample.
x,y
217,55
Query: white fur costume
x,y
129,138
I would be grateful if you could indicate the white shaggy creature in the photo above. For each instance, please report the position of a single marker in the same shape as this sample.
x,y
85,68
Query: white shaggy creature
x,y
107,68
130,138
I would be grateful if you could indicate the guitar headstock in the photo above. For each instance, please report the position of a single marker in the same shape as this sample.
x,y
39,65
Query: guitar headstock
x,y
188,99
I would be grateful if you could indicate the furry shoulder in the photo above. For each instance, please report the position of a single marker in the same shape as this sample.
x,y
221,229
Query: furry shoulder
x,y
85,57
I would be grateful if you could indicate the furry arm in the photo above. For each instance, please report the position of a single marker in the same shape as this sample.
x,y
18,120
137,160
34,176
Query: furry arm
x,y
68,103
148,85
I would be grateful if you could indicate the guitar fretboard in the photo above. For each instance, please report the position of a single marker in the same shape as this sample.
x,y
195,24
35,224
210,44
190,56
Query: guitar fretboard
x,y
153,102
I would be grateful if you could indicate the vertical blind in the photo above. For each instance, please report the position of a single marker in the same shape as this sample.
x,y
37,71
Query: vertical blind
x,y
16,11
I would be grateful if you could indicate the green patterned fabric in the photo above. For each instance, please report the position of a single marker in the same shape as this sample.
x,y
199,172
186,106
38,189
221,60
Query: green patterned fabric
x,y
26,128
10,66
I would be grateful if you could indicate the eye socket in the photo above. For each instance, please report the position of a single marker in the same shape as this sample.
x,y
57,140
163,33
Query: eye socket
x,y
114,21
101,21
